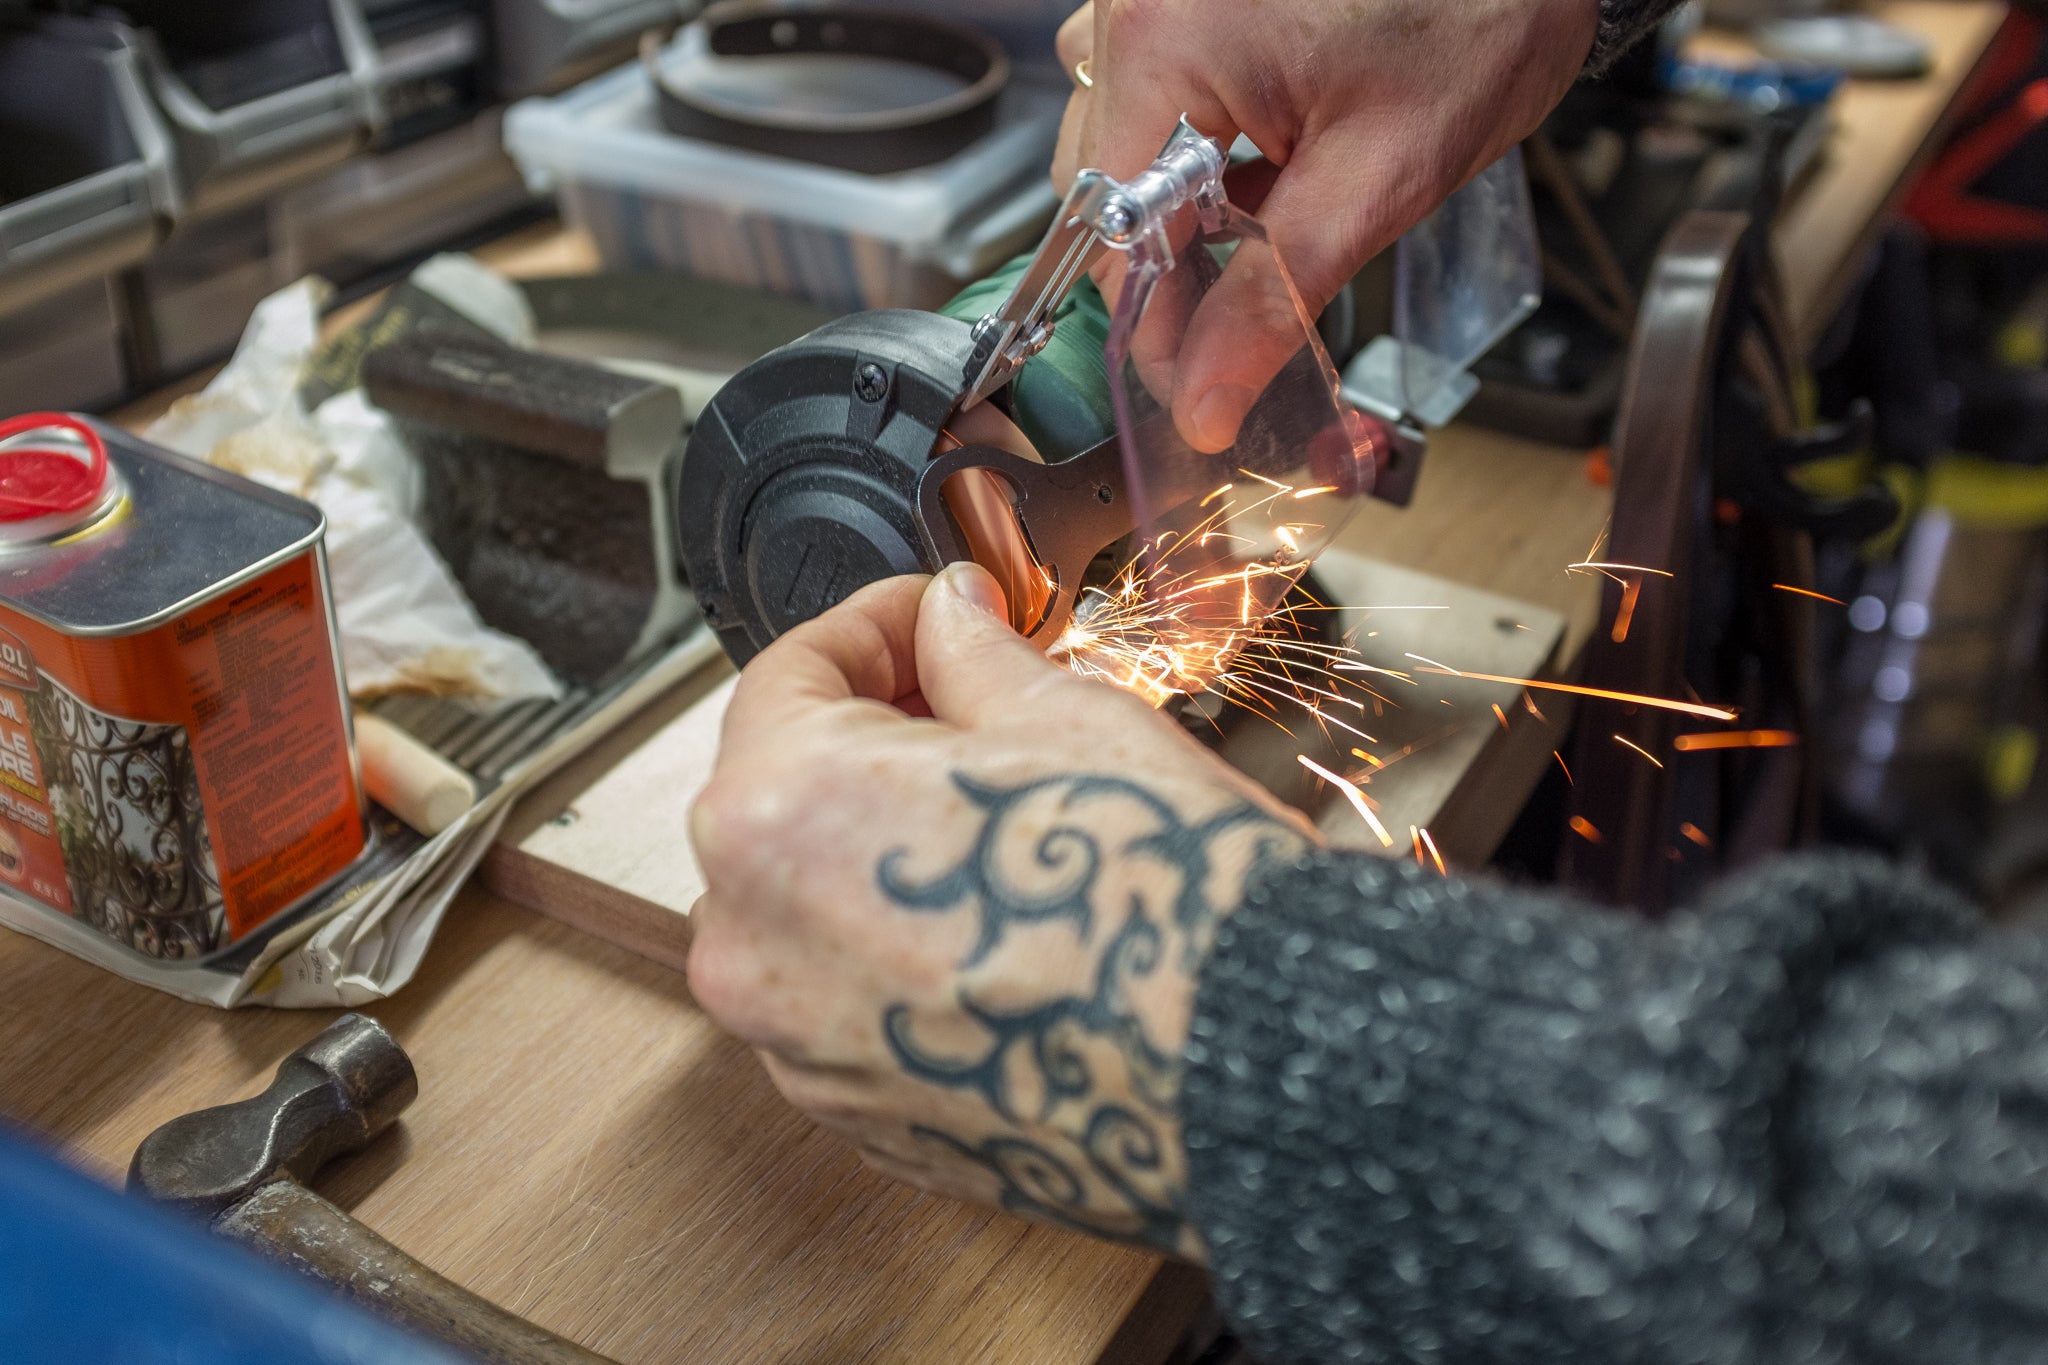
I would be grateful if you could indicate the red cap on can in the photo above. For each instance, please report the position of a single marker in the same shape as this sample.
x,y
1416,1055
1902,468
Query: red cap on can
x,y
50,462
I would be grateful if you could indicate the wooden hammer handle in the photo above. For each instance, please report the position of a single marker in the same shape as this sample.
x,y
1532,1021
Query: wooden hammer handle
x,y
290,1224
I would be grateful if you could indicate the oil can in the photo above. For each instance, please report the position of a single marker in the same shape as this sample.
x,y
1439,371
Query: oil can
x,y
175,761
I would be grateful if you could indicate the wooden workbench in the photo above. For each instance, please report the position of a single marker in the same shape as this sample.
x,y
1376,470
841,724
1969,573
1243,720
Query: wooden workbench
x,y
589,1151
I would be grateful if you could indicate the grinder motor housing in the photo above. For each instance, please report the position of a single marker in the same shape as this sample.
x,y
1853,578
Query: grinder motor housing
x,y
800,483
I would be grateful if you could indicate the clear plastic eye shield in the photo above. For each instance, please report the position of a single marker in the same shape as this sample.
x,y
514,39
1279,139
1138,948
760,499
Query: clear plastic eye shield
x,y
1240,453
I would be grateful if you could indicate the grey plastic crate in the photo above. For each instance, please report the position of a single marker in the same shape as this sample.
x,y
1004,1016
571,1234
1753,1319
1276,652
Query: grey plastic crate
x,y
434,64
63,352
86,184
191,300
549,44
259,93
375,212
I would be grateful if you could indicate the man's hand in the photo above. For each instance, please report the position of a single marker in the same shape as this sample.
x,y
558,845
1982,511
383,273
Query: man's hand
x,y
958,897
1371,112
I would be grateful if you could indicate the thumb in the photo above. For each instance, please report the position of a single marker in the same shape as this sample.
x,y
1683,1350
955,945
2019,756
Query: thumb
x,y
971,666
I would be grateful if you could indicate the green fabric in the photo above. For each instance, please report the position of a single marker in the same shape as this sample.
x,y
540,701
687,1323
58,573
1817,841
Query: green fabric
x,y
1061,398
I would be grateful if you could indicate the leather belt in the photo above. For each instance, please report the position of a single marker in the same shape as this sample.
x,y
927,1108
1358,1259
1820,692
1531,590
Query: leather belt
x,y
877,142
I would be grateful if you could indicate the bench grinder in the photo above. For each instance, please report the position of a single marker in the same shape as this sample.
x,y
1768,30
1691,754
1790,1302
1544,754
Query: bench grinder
x,y
1034,435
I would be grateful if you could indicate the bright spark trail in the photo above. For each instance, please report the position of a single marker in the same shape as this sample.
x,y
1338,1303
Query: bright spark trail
x,y
1736,739
1633,698
1352,794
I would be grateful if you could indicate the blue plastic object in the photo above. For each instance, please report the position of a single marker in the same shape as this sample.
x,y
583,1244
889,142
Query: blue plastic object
x,y
1763,87
91,1277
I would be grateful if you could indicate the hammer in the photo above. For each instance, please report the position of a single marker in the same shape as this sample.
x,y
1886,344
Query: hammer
x,y
243,1167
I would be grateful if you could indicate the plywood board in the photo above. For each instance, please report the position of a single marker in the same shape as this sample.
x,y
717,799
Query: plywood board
x,y
609,851
1455,756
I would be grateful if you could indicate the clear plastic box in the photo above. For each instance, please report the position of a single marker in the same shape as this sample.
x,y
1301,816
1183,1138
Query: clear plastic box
x,y
654,201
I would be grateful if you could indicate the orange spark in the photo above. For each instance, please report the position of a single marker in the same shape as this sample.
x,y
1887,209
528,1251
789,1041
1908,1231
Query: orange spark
x,y
1352,794
1610,567
1567,770
1215,495
1585,829
1347,666
1311,492
1415,842
1663,703
1736,739
1529,704
1626,612
1500,716
1435,856
1638,748
1696,834
1410,750
1809,592
1360,753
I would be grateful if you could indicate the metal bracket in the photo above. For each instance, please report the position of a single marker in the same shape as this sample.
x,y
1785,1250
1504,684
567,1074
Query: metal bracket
x,y
1099,214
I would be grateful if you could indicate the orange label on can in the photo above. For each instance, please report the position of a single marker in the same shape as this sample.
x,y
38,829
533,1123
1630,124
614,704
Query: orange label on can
x,y
177,787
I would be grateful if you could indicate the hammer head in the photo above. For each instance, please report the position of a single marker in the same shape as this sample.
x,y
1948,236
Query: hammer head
x,y
329,1098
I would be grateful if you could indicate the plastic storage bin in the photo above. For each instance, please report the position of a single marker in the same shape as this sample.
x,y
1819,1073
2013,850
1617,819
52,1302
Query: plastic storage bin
x,y
433,65
256,93
546,44
377,212
63,352
194,296
86,184
654,201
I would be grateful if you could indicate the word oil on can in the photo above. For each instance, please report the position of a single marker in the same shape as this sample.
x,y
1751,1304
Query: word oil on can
x,y
175,761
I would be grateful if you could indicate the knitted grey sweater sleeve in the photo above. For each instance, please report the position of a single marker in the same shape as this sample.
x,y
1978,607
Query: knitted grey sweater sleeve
x,y
1445,1121
1622,24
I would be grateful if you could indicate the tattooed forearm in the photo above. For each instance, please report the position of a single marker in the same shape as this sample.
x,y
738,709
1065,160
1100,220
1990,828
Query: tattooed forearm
x,y
1082,1089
